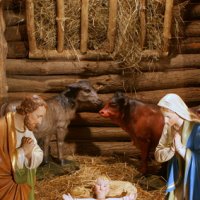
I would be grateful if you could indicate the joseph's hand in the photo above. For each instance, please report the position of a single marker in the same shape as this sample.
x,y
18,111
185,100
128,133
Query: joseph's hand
x,y
27,145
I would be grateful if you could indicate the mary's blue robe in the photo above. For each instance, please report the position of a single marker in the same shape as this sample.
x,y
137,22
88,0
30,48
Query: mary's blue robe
x,y
186,172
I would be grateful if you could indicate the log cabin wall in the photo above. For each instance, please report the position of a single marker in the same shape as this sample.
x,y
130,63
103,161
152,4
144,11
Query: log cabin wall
x,y
89,133
3,54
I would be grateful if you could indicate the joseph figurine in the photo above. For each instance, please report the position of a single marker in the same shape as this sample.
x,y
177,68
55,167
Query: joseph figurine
x,y
20,154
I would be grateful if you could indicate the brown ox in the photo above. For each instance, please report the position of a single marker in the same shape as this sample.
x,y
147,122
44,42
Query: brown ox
x,y
61,110
143,122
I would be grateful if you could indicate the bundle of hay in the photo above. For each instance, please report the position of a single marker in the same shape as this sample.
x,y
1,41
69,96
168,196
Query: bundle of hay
x,y
127,42
80,184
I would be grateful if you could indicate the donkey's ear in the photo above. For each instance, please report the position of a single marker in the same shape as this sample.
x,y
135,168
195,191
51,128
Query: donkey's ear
x,y
119,95
83,81
122,99
72,90
73,86
126,101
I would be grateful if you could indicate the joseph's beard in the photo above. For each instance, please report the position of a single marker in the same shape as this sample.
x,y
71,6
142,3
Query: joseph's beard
x,y
30,126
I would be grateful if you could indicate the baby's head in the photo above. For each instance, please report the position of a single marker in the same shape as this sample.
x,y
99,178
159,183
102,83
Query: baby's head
x,y
101,187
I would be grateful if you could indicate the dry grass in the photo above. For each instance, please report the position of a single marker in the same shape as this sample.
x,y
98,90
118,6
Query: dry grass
x,y
80,183
127,45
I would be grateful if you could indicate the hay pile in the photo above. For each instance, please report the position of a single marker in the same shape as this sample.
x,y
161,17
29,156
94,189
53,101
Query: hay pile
x,y
45,23
127,49
80,183
127,46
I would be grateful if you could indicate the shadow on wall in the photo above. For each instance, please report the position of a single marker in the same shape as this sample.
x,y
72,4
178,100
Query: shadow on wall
x,y
83,146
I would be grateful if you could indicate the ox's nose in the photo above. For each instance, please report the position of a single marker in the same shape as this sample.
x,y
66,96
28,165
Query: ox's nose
x,y
101,112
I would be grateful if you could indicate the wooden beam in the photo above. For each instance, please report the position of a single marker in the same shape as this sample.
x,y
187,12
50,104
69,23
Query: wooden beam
x,y
84,25
91,119
97,134
33,67
60,24
180,61
30,26
191,95
167,24
109,83
112,24
3,54
85,68
190,48
193,11
69,54
146,81
185,60
192,28
97,148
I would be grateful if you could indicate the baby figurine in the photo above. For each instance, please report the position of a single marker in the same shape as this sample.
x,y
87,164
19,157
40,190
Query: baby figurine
x,y
105,188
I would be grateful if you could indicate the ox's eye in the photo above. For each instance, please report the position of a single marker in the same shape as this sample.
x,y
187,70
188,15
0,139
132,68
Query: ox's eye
x,y
112,104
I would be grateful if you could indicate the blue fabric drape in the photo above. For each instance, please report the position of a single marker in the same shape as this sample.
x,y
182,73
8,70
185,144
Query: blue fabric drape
x,y
191,174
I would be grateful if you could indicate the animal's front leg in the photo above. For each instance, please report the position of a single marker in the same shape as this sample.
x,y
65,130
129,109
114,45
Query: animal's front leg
x,y
46,149
61,133
144,147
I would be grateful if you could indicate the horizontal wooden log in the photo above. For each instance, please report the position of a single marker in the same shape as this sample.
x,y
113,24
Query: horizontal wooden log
x,y
190,45
190,95
146,81
28,67
97,148
180,61
69,54
17,50
193,11
16,33
190,48
192,29
13,18
20,50
97,134
90,55
91,119
190,40
108,83
185,60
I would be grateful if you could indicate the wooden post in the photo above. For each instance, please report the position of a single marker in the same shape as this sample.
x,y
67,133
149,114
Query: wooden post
x,y
84,25
60,24
143,22
167,25
112,24
3,54
30,26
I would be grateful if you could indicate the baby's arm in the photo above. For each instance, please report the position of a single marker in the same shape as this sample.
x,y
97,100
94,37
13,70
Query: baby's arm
x,y
69,197
132,196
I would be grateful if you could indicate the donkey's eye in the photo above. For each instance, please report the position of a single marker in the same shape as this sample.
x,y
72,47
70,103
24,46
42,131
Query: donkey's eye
x,y
87,90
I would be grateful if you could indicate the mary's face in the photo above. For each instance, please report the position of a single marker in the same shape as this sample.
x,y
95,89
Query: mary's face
x,y
171,117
